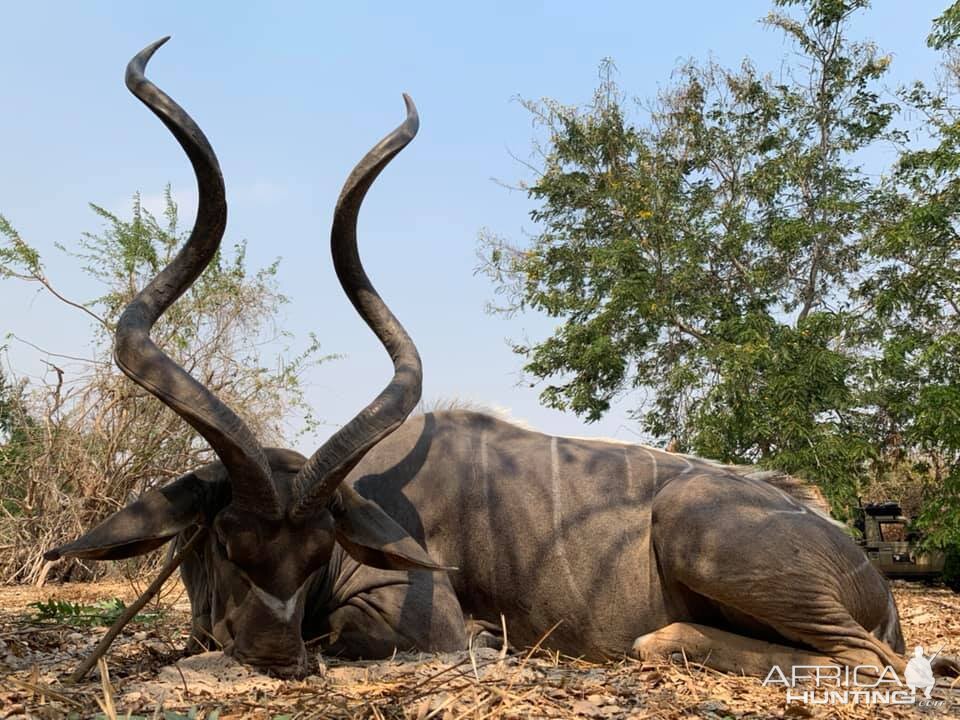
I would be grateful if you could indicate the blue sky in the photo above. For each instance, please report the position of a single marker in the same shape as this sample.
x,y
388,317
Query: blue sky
x,y
291,95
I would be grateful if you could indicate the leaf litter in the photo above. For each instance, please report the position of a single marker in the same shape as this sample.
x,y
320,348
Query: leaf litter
x,y
145,675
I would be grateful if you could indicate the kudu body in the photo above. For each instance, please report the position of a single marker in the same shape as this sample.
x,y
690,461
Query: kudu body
x,y
597,549
611,548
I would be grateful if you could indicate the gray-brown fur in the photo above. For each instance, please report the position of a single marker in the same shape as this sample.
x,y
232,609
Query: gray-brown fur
x,y
616,541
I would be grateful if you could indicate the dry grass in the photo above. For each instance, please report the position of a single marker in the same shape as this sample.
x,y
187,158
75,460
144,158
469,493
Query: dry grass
x,y
147,673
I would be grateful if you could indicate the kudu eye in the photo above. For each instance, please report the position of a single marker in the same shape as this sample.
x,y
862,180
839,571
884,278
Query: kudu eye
x,y
240,540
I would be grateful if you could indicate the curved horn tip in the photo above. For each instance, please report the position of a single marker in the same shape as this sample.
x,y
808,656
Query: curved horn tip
x,y
138,63
412,123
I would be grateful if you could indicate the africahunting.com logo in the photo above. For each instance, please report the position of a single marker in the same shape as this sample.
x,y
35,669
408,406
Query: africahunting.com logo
x,y
859,685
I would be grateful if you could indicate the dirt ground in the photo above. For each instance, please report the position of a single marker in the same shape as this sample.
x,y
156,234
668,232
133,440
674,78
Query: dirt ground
x,y
149,677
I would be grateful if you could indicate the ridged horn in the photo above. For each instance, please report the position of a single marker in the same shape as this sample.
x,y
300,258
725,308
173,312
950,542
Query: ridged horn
x,y
328,466
137,355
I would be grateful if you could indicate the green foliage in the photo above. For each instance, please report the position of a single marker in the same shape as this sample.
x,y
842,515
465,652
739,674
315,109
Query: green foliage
x,y
705,252
951,568
783,396
104,612
946,29
17,259
11,401
913,291
16,430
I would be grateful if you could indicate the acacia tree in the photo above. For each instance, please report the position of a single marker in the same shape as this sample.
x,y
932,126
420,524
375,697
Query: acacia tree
x,y
705,252
95,438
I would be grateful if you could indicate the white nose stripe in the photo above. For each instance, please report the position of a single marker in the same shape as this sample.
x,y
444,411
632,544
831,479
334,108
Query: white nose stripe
x,y
282,609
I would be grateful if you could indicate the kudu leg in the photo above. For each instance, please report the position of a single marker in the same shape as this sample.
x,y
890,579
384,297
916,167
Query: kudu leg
x,y
721,650
783,570
377,612
483,634
196,573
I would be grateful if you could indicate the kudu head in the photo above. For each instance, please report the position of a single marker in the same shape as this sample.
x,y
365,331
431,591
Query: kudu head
x,y
272,515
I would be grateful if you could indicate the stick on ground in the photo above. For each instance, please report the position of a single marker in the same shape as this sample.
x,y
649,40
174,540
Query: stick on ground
x,y
132,610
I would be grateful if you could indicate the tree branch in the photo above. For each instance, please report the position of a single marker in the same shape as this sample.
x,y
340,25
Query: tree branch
x,y
692,331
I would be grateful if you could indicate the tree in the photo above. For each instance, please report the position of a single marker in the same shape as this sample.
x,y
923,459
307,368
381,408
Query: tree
x,y
707,253
96,438
913,293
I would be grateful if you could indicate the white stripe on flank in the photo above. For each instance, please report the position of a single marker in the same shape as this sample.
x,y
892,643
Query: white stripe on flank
x,y
631,486
656,469
799,508
558,528
483,455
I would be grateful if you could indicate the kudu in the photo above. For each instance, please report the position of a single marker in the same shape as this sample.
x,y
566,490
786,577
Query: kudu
x,y
594,548
291,552
613,548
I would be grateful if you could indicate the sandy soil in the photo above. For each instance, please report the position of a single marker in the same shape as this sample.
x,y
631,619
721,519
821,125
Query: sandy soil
x,y
147,675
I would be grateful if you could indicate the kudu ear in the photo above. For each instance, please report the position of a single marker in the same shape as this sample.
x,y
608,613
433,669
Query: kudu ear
x,y
373,538
151,520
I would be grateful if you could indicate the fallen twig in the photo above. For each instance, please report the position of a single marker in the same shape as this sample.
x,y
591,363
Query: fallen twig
x,y
44,690
165,572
